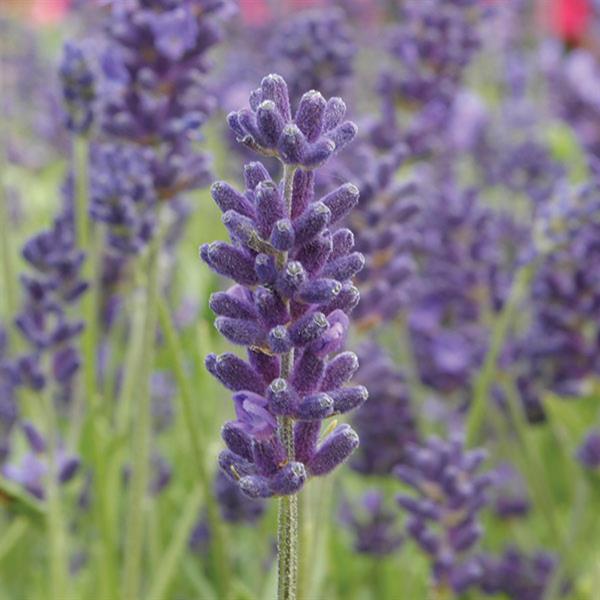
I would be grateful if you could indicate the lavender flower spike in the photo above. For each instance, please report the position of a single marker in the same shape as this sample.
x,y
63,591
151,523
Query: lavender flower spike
x,y
443,518
289,307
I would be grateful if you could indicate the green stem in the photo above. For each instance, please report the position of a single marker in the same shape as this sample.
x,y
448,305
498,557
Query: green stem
x,y
501,327
141,438
57,532
10,538
287,530
199,451
171,559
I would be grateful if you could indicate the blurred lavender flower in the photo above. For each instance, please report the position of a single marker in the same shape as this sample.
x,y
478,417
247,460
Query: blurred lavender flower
x,y
8,404
509,495
382,227
234,505
315,50
588,453
467,255
516,575
443,517
430,49
78,87
560,349
33,468
386,424
44,320
374,528
292,296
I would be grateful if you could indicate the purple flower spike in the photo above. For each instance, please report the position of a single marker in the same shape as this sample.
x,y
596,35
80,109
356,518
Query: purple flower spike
x,y
443,517
292,299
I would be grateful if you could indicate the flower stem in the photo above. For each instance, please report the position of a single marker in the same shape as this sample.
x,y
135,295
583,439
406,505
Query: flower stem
x,y
141,437
287,530
501,327
57,533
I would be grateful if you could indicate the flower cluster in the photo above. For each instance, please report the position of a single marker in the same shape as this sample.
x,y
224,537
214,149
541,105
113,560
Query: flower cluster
x,y
373,526
308,140
559,351
44,320
382,226
516,575
78,87
314,50
430,49
152,102
33,468
466,260
8,404
289,306
386,424
443,517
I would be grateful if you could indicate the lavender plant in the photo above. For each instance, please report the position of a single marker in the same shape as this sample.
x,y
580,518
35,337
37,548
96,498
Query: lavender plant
x,y
289,306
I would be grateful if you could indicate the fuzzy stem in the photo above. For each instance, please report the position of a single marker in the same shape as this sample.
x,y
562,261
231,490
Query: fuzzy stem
x,y
141,441
501,327
199,451
57,533
287,531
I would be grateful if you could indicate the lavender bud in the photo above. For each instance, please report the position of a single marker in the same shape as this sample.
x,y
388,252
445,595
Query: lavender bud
x,y
270,207
336,448
346,267
227,305
302,192
255,173
348,398
255,486
237,440
292,145
289,479
319,291
269,123
229,261
290,280
282,237
311,223
308,328
283,400
307,373
274,88
315,407
240,228
339,370
334,114
315,254
240,331
234,373
279,340
227,198
271,307
341,201
309,116
266,271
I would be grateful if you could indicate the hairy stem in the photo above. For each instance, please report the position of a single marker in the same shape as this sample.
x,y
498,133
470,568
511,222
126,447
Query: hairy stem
x,y
141,434
287,531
